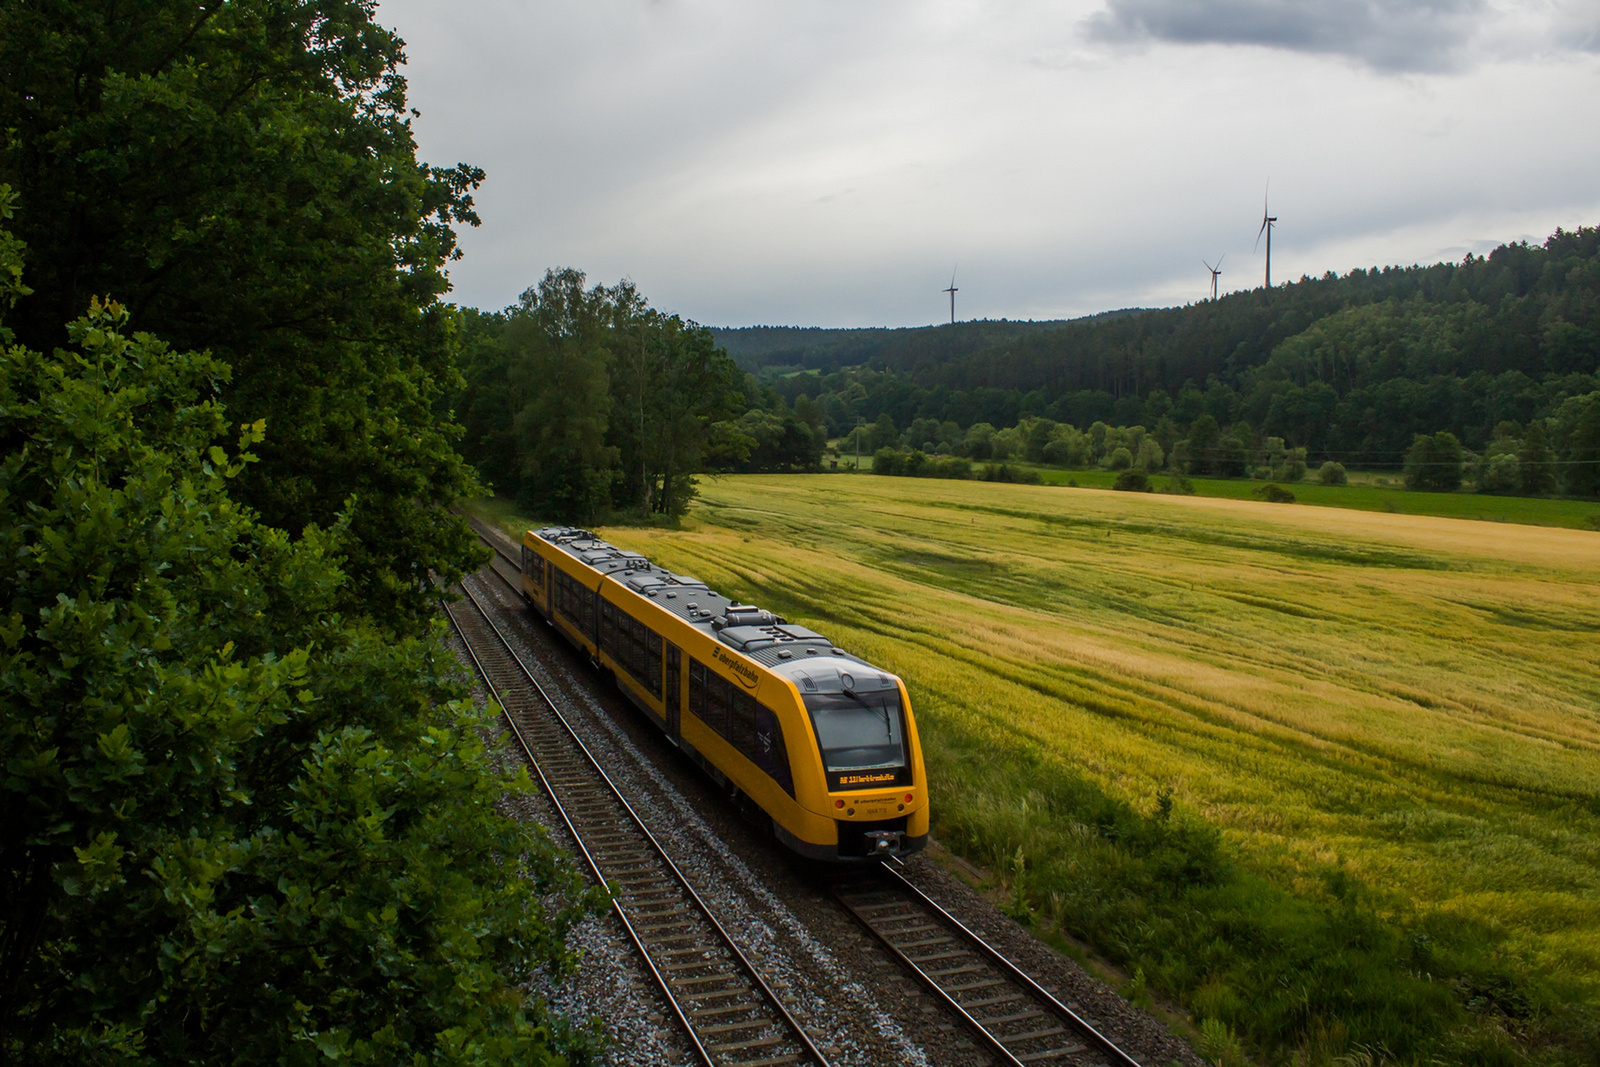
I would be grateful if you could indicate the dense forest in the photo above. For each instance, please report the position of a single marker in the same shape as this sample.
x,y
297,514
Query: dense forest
x,y
1490,368
1350,368
249,812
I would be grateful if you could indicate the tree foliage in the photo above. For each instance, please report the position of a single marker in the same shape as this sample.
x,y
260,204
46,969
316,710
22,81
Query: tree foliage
x,y
242,177
584,401
1351,368
240,827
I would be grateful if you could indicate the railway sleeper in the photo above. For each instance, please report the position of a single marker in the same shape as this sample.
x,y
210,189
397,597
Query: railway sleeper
x,y
730,980
1015,1017
1032,1035
740,1046
698,964
970,968
1051,1054
986,983
726,1009
728,1028
923,943
770,1061
934,957
989,1002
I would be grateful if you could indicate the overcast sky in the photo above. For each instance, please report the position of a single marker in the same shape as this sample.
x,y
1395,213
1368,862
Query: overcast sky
x,y
830,162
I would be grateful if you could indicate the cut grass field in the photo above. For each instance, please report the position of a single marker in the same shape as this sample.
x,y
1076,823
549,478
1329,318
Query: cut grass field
x,y
1330,777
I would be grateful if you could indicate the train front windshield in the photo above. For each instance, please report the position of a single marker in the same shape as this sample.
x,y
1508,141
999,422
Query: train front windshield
x,y
858,731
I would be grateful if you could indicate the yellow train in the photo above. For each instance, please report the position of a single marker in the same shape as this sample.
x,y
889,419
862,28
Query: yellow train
x,y
822,741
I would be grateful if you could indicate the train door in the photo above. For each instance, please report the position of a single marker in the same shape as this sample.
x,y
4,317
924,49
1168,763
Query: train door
x,y
672,698
549,591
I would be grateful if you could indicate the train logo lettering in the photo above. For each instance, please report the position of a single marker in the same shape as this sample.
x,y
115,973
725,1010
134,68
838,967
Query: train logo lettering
x,y
746,673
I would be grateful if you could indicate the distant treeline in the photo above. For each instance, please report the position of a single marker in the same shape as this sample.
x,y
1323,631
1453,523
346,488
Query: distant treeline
x,y
1349,367
788,348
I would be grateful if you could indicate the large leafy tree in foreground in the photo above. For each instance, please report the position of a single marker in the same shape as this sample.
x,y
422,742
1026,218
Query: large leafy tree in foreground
x,y
241,176
239,826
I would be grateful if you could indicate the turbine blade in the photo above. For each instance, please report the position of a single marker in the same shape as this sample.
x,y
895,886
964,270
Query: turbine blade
x,y
1220,259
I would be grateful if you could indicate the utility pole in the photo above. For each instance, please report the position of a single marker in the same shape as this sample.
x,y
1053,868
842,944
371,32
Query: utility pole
x,y
859,422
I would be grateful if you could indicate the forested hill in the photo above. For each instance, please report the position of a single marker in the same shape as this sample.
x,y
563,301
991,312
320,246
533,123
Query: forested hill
x,y
1521,308
821,348
1349,366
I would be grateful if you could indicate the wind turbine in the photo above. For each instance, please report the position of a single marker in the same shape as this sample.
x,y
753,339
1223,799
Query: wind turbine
x,y
952,291
1215,272
1266,228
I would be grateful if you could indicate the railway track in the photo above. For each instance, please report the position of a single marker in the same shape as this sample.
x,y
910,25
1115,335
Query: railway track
x,y
730,1014
1018,1021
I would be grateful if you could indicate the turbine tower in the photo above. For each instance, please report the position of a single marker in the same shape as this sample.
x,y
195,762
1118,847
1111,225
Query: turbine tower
x,y
1215,273
952,291
1267,221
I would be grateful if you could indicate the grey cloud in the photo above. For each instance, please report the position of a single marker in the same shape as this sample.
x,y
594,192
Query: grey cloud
x,y
1388,35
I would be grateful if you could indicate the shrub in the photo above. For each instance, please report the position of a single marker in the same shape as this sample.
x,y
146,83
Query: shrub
x,y
1005,472
1273,493
1121,459
1333,474
887,460
1179,485
1133,481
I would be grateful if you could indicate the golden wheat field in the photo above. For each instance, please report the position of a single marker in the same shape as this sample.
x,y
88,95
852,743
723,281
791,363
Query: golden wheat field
x,y
1415,699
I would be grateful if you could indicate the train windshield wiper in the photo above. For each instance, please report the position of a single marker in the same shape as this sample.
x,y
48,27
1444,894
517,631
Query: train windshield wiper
x,y
888,730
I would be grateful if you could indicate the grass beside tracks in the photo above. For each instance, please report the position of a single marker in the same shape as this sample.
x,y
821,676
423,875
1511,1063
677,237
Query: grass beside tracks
x,y
1330,778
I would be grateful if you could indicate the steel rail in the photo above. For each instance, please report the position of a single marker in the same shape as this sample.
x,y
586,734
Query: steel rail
x,y
1008,1047
1017,974
770,996
594,867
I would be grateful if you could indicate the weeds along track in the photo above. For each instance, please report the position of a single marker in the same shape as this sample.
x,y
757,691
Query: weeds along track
x,y
730,1014
1019,1021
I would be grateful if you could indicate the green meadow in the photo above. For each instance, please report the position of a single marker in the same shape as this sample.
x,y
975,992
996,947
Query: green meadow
x,y
1367,491
1327,778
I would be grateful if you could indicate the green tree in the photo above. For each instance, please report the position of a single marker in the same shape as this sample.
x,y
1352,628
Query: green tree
x,y
1578,425
561,363
243,178
240,827
1434,462
1204,439
884,435
1535,463
671,383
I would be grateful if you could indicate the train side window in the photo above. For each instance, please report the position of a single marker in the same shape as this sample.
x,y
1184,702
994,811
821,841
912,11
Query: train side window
x,y
717,695
743,725
608,627
771,755
652,663
674,672
697,689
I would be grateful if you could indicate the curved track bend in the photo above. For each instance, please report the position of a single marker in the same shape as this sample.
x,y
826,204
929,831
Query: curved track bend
x,y
730,1014
1019,1021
